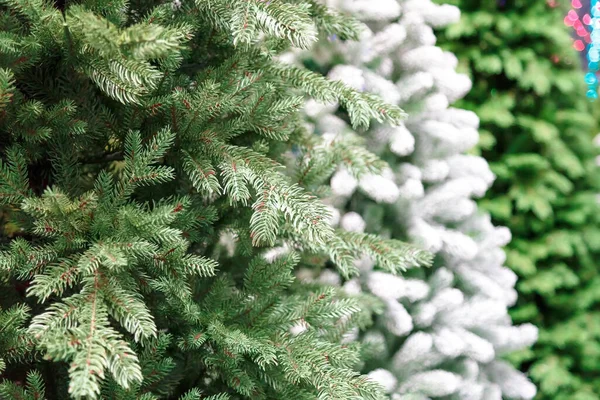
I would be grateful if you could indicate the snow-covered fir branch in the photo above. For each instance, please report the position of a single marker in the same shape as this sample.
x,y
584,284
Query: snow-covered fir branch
x,y
443,332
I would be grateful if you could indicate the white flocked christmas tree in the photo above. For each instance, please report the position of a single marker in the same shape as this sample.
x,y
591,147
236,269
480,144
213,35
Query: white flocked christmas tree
x,y
444,329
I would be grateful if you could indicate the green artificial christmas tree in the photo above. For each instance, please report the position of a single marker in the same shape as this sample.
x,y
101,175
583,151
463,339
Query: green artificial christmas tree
x,y
537,129
142,192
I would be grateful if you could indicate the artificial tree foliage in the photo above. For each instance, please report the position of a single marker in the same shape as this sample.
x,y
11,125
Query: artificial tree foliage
x,y
142,189
442,332
538,130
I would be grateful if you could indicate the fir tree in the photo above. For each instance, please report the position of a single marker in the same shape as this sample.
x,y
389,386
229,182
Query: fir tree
x,y
142,190
440,332
538,126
